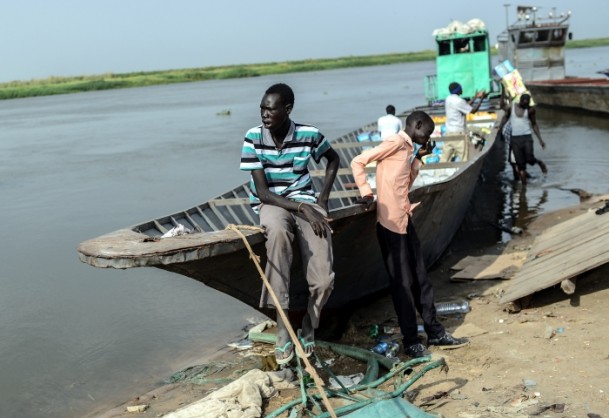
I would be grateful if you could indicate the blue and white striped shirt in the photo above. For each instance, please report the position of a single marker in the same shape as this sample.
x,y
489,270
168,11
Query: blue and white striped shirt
x,y
286,169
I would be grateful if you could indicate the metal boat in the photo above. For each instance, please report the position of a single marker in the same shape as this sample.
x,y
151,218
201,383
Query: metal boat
x,y
535,44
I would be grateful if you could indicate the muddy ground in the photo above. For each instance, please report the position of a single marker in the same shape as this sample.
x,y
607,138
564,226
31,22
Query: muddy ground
x,y
550,359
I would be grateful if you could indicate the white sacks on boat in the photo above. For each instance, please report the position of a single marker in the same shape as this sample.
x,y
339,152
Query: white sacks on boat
x,y
457,26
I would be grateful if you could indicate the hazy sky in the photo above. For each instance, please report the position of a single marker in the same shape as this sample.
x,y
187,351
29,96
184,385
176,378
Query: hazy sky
x,y
42,38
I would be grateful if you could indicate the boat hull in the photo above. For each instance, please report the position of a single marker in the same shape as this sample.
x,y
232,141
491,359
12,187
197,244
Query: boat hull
x,y
218,258
590,94
358,263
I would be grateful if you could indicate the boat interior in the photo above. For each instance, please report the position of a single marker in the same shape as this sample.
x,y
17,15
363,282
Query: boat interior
x,y
233,207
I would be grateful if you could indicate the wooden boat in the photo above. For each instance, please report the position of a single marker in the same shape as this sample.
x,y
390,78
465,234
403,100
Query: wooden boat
x,y
217,257
590,94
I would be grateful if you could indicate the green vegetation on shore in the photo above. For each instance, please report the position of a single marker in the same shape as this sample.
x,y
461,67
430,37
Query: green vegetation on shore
x,y
64,85
588,43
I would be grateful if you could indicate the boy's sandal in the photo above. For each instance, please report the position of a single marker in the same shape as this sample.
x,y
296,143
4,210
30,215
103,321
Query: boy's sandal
x,y
307,346
286,348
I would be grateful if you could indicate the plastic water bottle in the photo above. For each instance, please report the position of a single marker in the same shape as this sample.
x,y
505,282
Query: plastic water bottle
x,y
452,307
380,348
392,350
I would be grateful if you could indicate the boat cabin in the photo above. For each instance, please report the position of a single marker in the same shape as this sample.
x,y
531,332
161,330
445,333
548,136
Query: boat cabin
x,y
535,45
461,57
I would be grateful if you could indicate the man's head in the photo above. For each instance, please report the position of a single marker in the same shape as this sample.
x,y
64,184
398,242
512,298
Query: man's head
x,y
276,106
455,88
525,101
419,127
390,110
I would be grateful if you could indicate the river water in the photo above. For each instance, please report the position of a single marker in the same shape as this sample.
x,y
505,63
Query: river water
x,y
76,339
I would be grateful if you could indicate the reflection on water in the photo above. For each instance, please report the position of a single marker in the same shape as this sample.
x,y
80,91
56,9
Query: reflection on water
x,y
522,209
576,155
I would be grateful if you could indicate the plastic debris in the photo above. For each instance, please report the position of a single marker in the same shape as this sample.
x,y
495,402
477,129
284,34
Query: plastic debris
x,y
347,381
176,231
137,408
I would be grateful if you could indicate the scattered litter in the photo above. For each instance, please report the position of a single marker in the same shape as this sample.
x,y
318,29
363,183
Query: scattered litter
x,y
137,408
529,383
454,306
243,344
347,381
374,331
262,326
328,362
391,330
242,398
176,231
549,332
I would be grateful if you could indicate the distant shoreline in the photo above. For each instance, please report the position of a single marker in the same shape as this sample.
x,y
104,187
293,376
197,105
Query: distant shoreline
x,y
65,85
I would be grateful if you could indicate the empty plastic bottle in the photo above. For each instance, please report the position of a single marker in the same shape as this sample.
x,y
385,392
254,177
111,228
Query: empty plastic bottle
x,y
380,348
392,350
452,307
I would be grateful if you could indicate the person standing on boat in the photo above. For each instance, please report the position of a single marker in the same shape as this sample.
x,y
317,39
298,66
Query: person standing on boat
x,y
411,290
457,108
277,154
389,124
523,119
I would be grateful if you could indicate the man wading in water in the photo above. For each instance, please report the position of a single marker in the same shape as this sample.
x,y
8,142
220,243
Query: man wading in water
x,y
523,119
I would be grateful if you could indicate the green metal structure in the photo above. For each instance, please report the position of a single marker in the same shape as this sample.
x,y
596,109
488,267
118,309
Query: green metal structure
x,y
464,58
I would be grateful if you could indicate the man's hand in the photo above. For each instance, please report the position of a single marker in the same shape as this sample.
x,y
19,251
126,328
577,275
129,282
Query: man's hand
x,y
367,200
318,222
426,149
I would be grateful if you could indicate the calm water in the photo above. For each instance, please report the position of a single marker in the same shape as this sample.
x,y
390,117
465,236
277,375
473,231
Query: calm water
x,y
76,339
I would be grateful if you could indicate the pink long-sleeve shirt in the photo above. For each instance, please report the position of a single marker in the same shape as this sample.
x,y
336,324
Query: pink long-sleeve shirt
x,y
395,174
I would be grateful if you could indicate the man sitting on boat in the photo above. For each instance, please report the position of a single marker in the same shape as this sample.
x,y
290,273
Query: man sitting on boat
x,y
411,290
457,109
523,119
277,154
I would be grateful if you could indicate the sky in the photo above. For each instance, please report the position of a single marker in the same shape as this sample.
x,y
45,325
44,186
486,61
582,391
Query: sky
x,y
42,38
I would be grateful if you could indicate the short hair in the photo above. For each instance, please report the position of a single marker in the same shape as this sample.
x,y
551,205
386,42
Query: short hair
x,y
390,109
455,88
525,95
283,90
419,115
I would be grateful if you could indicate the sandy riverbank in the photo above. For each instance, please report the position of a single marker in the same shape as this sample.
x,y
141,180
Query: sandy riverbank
x,y
565,370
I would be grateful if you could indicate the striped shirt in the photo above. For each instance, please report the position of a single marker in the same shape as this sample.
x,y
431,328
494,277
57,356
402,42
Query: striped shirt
x,y
286,169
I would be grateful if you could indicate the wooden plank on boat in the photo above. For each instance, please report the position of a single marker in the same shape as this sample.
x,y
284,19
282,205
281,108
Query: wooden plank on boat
x,y
125,248
562,252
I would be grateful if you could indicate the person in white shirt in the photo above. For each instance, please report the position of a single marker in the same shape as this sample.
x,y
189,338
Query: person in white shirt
x,y
457,109
389,124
